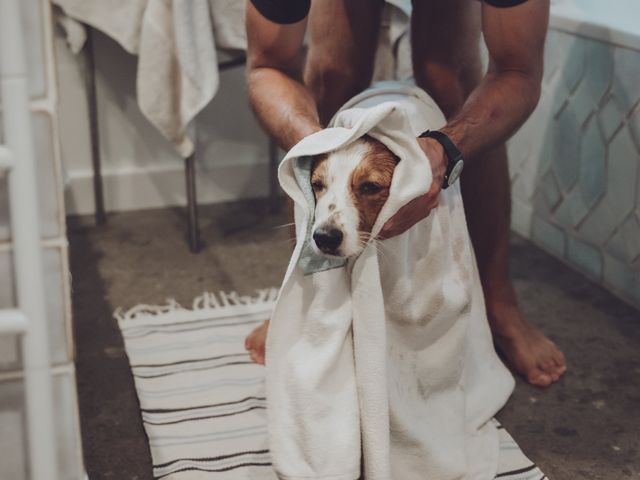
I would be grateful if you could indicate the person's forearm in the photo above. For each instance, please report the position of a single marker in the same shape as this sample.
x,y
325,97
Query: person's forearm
x,y
283,105
493,112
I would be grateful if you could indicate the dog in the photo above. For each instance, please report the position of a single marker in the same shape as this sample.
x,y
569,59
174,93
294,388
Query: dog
x,y
350,186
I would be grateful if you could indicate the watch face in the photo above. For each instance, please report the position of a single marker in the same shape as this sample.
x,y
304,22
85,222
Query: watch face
x,y
455,172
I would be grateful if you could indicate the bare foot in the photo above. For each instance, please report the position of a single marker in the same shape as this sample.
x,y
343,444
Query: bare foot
x,y
528,351
255,342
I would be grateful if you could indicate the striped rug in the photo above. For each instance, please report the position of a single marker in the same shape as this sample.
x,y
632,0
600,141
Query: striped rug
x,y
202,400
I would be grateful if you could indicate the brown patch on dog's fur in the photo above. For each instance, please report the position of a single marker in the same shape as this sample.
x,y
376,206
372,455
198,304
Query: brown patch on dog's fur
x,y
319,174
377,168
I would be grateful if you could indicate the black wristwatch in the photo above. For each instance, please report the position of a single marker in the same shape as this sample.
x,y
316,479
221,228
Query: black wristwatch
x,y
455,162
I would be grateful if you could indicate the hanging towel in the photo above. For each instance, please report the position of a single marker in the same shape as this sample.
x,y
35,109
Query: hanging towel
x,y
385,364
176,44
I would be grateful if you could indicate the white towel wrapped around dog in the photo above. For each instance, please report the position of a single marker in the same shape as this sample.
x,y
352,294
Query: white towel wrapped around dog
x,y
386,364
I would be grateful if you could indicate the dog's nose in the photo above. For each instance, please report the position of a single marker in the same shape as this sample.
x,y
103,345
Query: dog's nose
x,y
327,240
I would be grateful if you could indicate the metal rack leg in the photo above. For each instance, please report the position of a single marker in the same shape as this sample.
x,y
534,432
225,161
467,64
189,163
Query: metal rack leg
x,y
90,82
274,186
192,204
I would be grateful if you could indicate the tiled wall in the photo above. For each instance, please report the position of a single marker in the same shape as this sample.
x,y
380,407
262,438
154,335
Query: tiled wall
x,y
36,18
575,165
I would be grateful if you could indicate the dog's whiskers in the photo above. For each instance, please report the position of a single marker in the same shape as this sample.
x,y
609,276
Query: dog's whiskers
x,y
366,238
290,241
285,225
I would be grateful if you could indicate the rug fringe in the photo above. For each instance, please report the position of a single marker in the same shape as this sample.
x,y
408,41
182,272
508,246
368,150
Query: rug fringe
x,y
206,302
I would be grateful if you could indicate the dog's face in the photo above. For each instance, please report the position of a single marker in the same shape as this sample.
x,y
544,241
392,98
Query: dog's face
x,y
350,186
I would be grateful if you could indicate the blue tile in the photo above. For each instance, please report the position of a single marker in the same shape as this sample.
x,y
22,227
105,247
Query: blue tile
x,y
626,74
560,102
583,103
547,151
599,225
622,169
592,164
541,205
620,277
611,115
578,209
562,214
548,236
574,67
572,211
584,257
5,233
599,69
625,244
551,54
548,186
634,127
566,149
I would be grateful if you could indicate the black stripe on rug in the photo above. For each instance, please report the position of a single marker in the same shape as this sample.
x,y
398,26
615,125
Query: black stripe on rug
x,y
225,469
168,410
515,472
194,419
210,367
180,330
224,318
193,360
211,459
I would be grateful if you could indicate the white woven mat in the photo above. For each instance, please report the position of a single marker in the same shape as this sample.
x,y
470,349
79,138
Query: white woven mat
x,y
202,399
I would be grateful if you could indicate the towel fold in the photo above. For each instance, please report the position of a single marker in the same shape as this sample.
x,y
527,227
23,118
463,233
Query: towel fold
x,y
385,364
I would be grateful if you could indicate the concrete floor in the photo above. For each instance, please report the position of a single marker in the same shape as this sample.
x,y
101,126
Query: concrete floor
x,y
585,427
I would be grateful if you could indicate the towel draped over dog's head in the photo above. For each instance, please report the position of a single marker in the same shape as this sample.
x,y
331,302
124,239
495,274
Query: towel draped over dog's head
x,y
396,122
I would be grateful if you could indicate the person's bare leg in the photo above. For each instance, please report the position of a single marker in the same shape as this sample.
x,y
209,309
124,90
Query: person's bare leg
x,y
343,38
446,58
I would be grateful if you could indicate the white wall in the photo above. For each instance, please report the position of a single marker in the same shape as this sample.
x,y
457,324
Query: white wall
x,y
140,169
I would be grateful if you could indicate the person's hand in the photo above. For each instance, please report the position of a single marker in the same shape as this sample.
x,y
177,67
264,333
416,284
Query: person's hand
x,y
419,208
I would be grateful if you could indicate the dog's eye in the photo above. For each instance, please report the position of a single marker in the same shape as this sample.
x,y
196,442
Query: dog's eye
x,y
370,188
317,186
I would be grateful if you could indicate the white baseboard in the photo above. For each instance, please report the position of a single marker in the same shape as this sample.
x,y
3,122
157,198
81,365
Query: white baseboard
x,y
135,188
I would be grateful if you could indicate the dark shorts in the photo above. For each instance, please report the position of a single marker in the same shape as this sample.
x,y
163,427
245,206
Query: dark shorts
x,y
292,11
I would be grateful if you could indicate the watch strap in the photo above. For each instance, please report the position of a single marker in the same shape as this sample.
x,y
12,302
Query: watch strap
x,y
453,154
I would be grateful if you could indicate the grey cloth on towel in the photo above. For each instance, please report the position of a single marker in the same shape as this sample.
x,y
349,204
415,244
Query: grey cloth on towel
x,y
310,261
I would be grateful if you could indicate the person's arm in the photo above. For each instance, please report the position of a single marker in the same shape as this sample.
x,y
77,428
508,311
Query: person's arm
x,y
282,103
503,100
510,91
